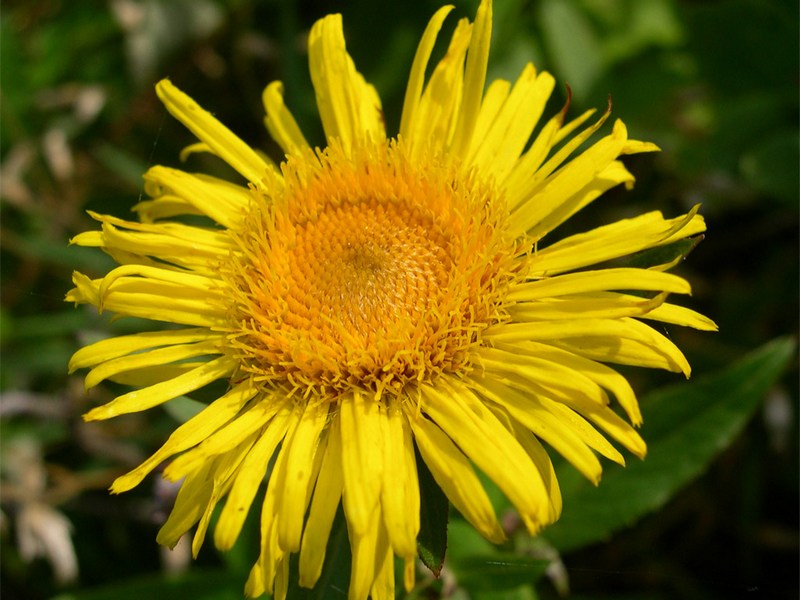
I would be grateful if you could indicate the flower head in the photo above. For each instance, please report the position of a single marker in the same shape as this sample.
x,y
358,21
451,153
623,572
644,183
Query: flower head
x,y
383,296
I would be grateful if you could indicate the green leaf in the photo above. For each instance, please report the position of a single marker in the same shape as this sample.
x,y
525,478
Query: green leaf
x,y
434,507
478,565
197,585
572,43
334,580
686,426
183,408
660,255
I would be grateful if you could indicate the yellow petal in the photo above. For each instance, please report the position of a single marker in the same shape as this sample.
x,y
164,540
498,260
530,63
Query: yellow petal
x,y
297,478
531,172
225,204
416,78
186,311
612,306
580,172
622,238
365,550
252,419
455,475
139,400
548,427
150,358
189,505
280,122
435,118
680,315
219,138
600,280
348,106
327,494
624,341
249,477
601,374
611,176
479,434
111,348
191,433
222,478
498,148
474,79
362,460
400,489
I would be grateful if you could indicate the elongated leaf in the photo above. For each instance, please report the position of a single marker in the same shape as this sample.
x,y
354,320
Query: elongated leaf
x,y
686,426
198,585
432,539
480,566
334,580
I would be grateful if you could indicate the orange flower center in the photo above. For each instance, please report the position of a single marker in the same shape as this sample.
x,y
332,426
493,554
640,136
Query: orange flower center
x,y
365,271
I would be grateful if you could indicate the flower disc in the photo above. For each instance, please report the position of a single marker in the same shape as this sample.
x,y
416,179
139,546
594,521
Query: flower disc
x,y
366,271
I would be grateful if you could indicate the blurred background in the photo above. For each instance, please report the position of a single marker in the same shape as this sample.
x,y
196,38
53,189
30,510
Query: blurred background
x,y
713,82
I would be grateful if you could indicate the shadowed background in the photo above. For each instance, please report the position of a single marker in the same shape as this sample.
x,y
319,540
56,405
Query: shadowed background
x,y
714,83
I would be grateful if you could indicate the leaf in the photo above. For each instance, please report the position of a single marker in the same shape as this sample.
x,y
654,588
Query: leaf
x,y
434,507
183,408
478,565
572,43
334,580
686,426
660,255
199,585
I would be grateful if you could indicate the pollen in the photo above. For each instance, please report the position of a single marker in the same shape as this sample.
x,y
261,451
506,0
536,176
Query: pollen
x,y
365,270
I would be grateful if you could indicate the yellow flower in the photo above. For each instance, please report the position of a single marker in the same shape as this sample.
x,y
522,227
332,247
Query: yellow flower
x,y
381,296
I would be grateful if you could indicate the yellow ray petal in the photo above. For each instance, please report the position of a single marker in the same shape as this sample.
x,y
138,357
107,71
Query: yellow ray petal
x,y
625,341
498,148
435,118
585,307
474,79
599,280
301,449
225,204
551,383
491,447
191,433
163,207
150,358
365,551
139,400
416,78
611,176
227,465
362,460
327,493
522,185
382,587
189,505
111,348
349,107
537,454
455,475
280,122
580,172
680,315
219,138
252,419
601,374
543,423
400,489
249,477
147,306
613,241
